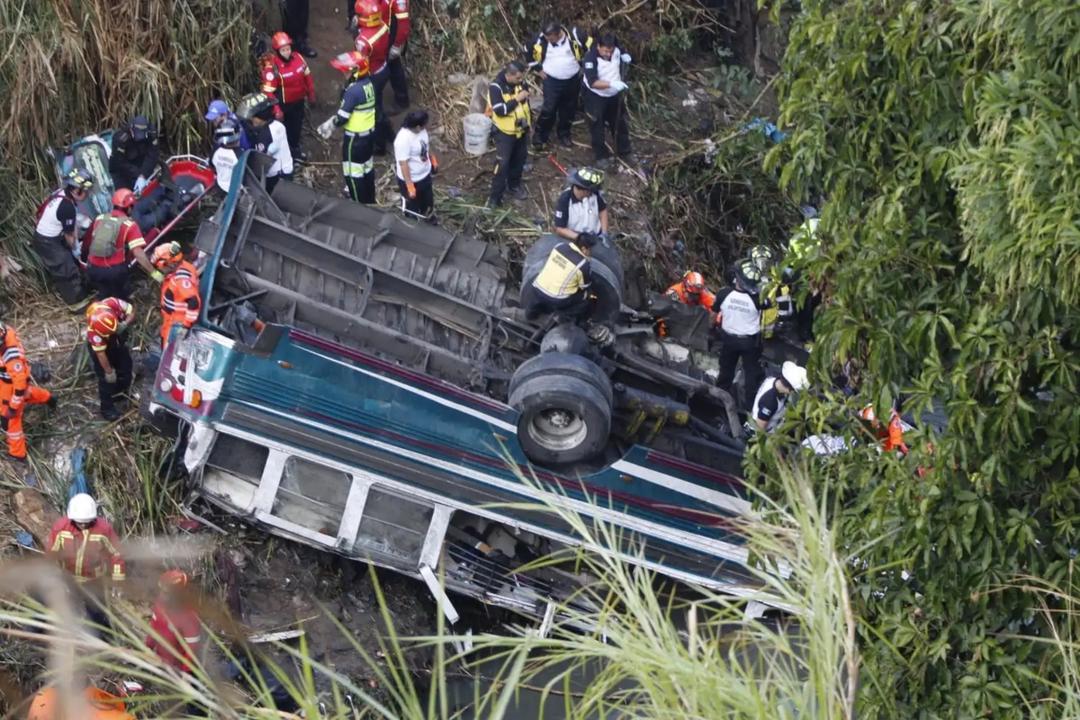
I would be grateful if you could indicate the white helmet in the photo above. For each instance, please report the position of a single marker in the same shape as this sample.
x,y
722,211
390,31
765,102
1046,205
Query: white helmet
x,y
794,375
82,508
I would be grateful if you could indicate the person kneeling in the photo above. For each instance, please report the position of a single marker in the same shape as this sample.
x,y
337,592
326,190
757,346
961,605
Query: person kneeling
x,y
562,285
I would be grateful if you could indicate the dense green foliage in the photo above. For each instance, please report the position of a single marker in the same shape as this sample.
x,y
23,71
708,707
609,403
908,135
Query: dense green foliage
x,y
945,137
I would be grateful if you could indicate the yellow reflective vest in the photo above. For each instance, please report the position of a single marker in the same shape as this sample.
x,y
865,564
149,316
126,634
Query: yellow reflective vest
x,y
509,116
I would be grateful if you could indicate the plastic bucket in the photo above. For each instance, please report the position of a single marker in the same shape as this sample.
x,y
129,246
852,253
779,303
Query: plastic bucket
x,y
477,130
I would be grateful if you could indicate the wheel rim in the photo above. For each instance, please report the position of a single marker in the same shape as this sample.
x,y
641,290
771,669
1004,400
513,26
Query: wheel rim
x,y
558,429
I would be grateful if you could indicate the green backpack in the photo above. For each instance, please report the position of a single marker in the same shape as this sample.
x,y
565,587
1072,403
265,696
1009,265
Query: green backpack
x,y
103,241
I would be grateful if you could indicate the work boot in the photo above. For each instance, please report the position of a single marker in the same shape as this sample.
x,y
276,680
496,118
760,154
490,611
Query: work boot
x,y
307,51
538,144
566,142
519,193
80,305
111,413
492,203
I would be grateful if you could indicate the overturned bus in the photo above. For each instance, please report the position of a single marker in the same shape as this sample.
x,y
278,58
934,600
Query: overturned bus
x,y
369,387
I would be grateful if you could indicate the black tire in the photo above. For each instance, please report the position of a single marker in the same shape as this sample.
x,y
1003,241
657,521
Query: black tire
x,y
564,419
556,364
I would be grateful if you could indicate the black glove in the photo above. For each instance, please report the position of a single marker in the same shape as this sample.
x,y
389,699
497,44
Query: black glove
x,y
587,239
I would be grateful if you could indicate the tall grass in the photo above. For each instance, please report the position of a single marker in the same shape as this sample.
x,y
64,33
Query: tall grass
x,y
70,68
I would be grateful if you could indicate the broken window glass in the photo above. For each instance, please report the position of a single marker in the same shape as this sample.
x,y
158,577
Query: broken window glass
x,y
312,496
393,526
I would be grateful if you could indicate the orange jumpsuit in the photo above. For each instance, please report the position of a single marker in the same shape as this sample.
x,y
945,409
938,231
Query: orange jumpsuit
x,y
16,392
180,301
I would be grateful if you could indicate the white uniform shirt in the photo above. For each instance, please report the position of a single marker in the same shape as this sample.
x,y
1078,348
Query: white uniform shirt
x,y
279,149
739,314
768,405
579,215
413,148
48,225
559,60
224,160
608,70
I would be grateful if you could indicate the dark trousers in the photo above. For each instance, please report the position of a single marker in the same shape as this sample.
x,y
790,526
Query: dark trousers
x,y
294,125
607,113
120,359
424,203
60,264
560,104
398,80
296,21
113,281
734,347
383,131
510,156
271,183
358,167
804,317
537,303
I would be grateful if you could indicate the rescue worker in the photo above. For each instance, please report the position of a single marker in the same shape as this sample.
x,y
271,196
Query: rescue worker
x,y
226,154
16,392
773,395
175,628
581,208
106,324
297,13
134,154
357,114
400,28
604,100
279,150
256,112
217,112
115,238
803,244
415,165
56,237
691,290
86,546
287,80
100,705
180,300
562,285
374,40
508,105
558,52
892,435
740,328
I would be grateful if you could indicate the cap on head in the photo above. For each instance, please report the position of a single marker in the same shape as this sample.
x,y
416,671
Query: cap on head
x,y
280,40
123,199
173,579
82,508
140,127
78,179
794,376
216,109
693,281
587,178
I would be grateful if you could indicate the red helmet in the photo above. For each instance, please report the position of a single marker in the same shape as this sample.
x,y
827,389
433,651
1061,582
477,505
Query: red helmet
x,y
353,61
280,40
123,199
173,579
693,281
369,13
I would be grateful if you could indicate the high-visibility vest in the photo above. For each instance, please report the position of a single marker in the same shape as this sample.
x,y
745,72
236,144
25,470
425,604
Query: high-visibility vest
x,y
563,274
516,122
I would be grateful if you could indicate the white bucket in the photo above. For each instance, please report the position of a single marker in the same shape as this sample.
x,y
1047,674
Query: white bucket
x,y
477,130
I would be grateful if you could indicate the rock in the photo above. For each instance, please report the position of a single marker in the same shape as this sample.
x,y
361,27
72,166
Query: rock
x,y
34,514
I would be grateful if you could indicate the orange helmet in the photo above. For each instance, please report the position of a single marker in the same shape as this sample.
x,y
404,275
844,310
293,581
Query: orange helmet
x,y
123,199
693,281
280,40
167,254
369,13
354,62
173,579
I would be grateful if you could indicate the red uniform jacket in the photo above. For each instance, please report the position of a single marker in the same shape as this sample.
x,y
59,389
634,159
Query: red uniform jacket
x,y
288,81
128,240
176,636
378,39
397,19
87,554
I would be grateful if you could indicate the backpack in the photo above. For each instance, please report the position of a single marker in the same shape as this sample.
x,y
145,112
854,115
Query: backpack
x,y
103,242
